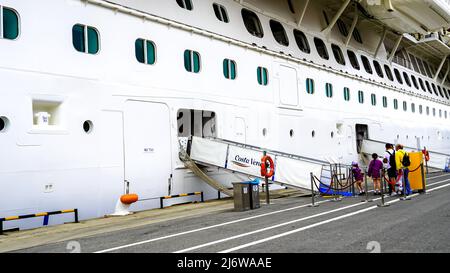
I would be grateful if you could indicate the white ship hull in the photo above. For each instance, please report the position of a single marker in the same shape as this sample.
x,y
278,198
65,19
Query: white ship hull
x,y
134,109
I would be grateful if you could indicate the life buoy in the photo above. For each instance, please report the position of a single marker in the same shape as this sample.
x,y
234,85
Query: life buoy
x,y
264,166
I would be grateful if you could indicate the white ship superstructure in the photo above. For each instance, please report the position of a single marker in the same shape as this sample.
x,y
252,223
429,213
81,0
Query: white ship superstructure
x,y
94,94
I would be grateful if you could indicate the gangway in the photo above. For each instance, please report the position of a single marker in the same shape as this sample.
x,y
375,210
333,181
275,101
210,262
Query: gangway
x,y
437,160
290,170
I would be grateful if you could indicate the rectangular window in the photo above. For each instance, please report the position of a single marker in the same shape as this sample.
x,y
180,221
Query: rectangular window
x,y
229,69
85,39
329,90
346,94
145,51
310,86
337,52
192,61
385,102
361,97
405,106
9,23
221,13
413,107
395,104
374,99
263,76
302,41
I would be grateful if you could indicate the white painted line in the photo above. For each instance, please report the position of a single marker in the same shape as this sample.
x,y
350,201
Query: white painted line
x,y
266,229
440,182
218,225
438,176
297,230
206,228
317,224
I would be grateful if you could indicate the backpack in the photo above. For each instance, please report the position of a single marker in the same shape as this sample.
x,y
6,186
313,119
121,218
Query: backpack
x,y
406,162
392,161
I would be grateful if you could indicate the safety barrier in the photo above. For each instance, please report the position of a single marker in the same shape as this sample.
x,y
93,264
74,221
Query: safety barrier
x,y
161,199
337,186
43,214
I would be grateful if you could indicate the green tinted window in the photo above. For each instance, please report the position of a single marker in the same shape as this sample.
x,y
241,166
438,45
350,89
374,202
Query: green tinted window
x,y
395,104
192,61
361,97
140,50
374,99
263,78
310,86
93,44
196,57
346,94
78,38
329,90
151,52
145,51
85,39
10,23
385,102
229,69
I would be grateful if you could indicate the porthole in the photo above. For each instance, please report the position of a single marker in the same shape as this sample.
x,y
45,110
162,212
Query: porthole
x,y
313,134
88,126
264,132
4,123
332,134
291,133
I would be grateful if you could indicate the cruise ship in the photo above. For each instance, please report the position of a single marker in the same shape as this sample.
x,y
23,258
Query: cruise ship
x,y
96,95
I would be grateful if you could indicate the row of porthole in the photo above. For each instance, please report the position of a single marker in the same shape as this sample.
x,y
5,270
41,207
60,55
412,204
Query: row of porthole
x,y
313,134
88,126
292,133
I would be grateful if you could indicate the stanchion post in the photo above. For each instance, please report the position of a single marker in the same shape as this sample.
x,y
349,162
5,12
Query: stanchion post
x,y
76,215
424,187
313,204
202,197
366,189
267,185
352,181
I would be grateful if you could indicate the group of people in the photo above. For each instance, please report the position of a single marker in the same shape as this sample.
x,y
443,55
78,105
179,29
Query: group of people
x,y
395,162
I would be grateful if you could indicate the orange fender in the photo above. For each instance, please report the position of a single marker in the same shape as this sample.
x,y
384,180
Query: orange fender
x,y
129,199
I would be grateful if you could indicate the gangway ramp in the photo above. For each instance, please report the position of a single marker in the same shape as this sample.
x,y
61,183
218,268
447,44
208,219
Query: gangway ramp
x,y
437,160
290,170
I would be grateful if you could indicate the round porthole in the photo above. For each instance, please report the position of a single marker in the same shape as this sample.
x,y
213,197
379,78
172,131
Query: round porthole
x,y
4,123
88,126
313,134
264,132
291,133
332,134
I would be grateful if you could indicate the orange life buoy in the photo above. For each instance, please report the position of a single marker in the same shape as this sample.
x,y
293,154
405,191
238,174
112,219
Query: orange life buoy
x,y
264,166
129,199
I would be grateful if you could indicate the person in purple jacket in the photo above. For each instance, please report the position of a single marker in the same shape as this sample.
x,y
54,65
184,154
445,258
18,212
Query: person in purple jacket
x,y
357,174
374,171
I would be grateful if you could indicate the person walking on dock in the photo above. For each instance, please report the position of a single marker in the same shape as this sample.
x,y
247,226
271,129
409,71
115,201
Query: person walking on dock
x,y
390,165
357,174
375,167
401,161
